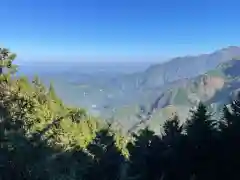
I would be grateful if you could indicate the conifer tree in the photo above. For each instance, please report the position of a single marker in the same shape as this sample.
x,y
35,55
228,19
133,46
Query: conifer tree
x,y
52,93
7,58
106,157
199,124
230,147
145,154
200,130
172,129
232,115
174,154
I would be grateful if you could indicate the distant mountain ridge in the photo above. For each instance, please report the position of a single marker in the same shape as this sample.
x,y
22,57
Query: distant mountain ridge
x,y
171,86
169,80
214,88
188,66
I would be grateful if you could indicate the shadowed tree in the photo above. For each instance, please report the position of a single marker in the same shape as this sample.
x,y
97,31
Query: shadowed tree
x,y
230,147
145,156
19,157
39,141
200,129
174,153
107,158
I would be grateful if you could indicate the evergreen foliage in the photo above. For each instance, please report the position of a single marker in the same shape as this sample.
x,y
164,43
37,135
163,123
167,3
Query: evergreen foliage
x,y
41,139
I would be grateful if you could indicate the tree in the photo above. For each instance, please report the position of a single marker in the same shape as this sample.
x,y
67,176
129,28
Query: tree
x,y
174,153
199,124
200,129
39,141
51,91
106,157
6,61
230,147
231,118
172,129
145,153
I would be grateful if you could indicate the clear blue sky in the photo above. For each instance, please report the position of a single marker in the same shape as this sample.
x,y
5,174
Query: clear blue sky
x,y
159,28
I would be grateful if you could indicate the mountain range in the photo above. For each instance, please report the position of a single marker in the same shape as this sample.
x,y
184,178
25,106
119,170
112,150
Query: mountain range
x,y
178,85
171,87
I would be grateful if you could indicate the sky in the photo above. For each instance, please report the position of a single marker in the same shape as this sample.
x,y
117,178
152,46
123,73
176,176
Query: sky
x,y
114,29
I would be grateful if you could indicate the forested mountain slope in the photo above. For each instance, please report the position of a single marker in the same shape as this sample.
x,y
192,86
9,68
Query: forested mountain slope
x,y
215,88
120,95
184,85
43,139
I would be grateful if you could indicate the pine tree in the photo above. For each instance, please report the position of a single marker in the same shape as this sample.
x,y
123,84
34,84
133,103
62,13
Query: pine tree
x,y
145,154
6,61
230,147
107,160
172,129
199,124
39,90
53,96
230,124
52,93
174,153
201,143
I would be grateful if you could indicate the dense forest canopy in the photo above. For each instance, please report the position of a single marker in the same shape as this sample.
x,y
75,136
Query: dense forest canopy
x,y
41,138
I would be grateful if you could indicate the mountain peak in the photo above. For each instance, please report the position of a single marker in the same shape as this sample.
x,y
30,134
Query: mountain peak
x,y
230,50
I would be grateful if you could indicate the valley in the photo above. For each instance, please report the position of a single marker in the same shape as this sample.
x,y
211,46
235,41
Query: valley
x,y
171,87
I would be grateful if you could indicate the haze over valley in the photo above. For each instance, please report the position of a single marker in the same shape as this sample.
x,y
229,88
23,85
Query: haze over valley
x,y
119,90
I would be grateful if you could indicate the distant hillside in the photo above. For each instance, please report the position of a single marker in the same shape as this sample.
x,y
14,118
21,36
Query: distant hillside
x,y
178,85
215,88
187,67
168,87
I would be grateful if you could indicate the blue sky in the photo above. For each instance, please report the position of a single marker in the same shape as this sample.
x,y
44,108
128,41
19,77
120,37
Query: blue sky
x,y
55,29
